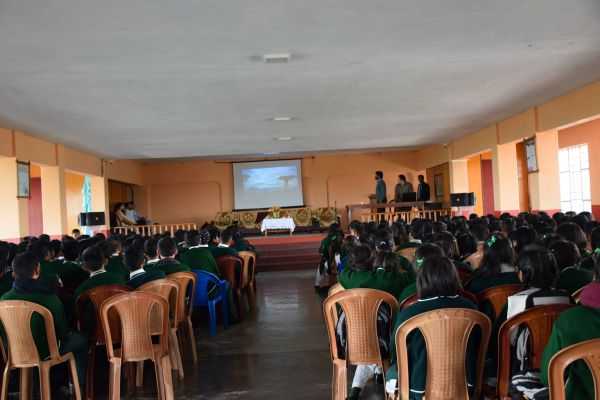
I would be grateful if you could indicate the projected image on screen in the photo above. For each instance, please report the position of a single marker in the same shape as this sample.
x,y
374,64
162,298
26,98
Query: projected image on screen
x,y
267,184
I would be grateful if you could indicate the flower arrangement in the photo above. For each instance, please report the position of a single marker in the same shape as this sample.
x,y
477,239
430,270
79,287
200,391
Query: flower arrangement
x,y
275,212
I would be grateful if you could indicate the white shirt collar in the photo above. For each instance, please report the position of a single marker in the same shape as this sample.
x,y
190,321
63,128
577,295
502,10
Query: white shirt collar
x,y
154,260
137,272
198,246
98,272
116,254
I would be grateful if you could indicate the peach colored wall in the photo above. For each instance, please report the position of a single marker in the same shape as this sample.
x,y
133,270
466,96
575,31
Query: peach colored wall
x,y
433,155
29,148
79,161
586,133
180,191
127,171
475,186
573,107
544,189
6,143
478,142
517,128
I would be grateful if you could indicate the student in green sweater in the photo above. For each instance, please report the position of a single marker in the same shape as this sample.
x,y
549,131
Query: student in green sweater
x,y
198,255
220,248
6,278
423,252
571,276
438,286
113,252
167,263
29,287
94,263
573,326
135,260
69,270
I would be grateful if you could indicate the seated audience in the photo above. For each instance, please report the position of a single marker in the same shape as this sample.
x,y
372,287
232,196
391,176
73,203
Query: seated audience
x,y
574,326
497,265
571,277
481,232
68,269
167,263
438,287
6,275
112,252
218,248
198,255
135,260
29,287
151,250
95,262
423,252
573,233
236,241
120,214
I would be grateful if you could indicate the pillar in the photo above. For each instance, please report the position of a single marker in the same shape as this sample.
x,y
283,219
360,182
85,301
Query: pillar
x,y
13,211
544,185
54,200
459,176
100,197
506,180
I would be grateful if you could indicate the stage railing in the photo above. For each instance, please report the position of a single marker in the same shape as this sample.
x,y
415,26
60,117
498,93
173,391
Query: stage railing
x,y
150,230
390,215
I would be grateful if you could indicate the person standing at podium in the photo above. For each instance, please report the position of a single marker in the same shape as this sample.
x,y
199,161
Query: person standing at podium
x,y
402,187
380,191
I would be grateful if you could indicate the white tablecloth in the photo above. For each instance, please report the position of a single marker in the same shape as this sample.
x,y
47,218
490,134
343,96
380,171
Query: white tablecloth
x,y
277,223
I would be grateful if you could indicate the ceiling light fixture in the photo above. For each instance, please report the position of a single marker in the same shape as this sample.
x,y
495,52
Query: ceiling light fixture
x,y
282,119
284,138
277,58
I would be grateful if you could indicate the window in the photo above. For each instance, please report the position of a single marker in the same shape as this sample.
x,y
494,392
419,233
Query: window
x,y
574,166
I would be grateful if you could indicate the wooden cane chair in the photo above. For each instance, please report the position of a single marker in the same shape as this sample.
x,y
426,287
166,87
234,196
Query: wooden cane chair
x,y
187,289
139,315
231,270
169,291
497,296
95,297
248,283
16,316
588,352
362,345
446,333
539,320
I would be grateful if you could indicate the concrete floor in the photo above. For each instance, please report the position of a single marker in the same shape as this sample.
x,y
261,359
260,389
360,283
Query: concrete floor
x,y
281,352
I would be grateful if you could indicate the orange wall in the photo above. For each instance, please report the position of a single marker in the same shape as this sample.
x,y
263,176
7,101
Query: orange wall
x,y
586,133
194,191
475,185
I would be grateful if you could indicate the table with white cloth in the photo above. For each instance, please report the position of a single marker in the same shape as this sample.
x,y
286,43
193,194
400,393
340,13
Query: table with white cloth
x,y
277,224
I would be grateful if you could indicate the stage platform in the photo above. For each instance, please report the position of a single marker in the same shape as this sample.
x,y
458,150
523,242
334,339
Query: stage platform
x,y
285,252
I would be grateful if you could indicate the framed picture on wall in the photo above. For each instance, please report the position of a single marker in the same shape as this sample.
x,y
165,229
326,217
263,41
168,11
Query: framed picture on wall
x,y
438,186
23,180
531,155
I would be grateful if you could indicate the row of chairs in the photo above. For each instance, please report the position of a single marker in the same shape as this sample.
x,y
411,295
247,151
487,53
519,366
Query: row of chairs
x,y
126,323
446,332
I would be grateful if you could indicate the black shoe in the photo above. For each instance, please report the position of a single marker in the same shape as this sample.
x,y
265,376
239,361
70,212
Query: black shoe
x,y
354,394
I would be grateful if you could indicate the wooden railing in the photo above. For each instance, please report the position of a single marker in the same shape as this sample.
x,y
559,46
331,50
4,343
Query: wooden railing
x,y
150,230
405,216
391,212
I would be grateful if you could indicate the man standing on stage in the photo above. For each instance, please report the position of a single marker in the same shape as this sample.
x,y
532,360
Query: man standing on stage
x,y
423,191
380,188
402,188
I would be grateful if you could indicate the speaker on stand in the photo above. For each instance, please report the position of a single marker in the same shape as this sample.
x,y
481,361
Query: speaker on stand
x,y
462,202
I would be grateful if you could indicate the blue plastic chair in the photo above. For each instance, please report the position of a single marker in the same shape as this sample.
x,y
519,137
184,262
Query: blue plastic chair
x,y
206,281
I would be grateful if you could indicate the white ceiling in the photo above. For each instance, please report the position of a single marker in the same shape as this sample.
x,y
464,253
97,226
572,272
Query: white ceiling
x,y
180,78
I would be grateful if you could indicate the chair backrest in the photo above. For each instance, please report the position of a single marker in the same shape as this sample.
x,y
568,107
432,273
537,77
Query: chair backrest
x,y
409,301
168,290
446,333
539,320
360,307
249,270
497,296
335,289
589,352
186,282
15,316
138,313
231,270
203,283
96,296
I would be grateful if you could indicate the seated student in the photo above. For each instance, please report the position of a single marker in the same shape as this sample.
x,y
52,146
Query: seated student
x,y
573,326
497,266
522,237
198,255
29,287
69,270
571,277
588,261
449,245
384,249
95,262
423,252
218,248
112,252
135,260
151,250
232,237
167,263
572,232
481,232
438,287
6,278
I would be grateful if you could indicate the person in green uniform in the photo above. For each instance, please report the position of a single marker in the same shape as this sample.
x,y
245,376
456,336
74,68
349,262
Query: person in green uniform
x,y
94,262
69,271
167,263
151,250
48,266
573,326
198,255
6,278
217,247
423,252
497,266
135,260
573,233
571,276
438,287
29,287
112,251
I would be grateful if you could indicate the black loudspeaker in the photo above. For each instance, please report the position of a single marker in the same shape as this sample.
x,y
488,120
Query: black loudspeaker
x,y
92,219
462,199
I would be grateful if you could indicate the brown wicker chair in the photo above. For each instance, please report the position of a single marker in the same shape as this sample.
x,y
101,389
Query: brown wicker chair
x,y
248,282
360,307
95,297
231,268
15,316
498,296
446,333
588,351
169,291
539,320
187,289
139,315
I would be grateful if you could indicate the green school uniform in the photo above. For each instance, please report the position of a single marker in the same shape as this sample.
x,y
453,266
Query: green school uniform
x,y
417,356
101,279
54,305
201,258
6,282
49,272
481,282
148,276
572,279
168,266
71,274
242,245
408,291
573,326
218,251
116,265
390,282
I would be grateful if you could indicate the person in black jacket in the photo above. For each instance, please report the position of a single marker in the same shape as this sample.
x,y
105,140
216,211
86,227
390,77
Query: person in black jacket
x,y
423,190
